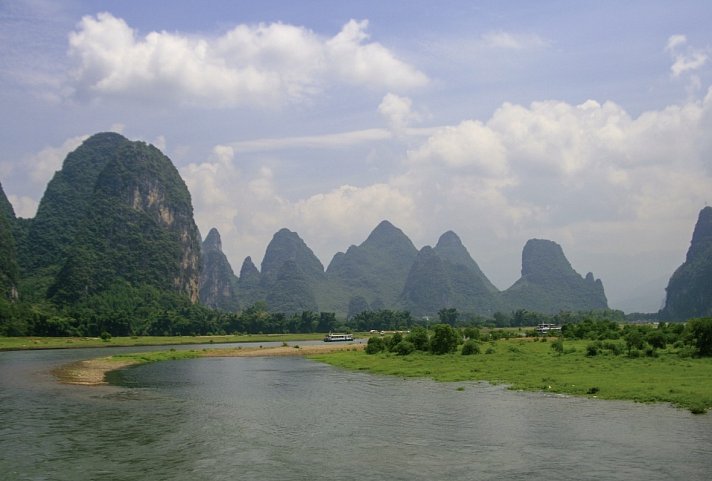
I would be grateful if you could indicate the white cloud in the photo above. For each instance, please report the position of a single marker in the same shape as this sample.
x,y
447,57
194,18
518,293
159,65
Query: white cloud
x,y
369,64
42,166
686,59
398,112
675,41
264,64
326,141
23,206
513,41
352,212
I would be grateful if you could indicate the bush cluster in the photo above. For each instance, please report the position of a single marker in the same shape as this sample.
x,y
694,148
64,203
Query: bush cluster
x,y
443,339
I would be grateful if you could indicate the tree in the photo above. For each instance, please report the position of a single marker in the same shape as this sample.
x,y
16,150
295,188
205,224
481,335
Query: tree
x,y
656,339
444,339
393,341
472,333
448,315
470,347
700,332
419,337
375,345
403,348
634,340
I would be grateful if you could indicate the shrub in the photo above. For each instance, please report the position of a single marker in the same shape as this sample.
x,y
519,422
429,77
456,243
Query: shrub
x,y
375,345
592,350
444,339
470,347
656,339
392,341
558,345
419,337
472,333
614,347
700,332
105,336
404,348
490,350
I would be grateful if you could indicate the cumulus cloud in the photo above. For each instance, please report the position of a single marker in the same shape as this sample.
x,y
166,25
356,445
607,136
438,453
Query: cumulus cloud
x,y
23,205
264,64
584,162
352,212
42,166
211,184
247,208
398,112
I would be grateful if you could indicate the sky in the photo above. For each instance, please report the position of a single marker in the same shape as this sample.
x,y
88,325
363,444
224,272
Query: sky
x,y
586,123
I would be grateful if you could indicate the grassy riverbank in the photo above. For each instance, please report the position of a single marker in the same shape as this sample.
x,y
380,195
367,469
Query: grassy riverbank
x,y
530,365
23,343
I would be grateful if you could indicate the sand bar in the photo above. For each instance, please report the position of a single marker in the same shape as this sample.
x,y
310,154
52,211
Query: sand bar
x,y
92,372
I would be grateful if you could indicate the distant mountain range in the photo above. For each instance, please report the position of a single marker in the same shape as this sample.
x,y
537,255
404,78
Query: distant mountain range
x,y
115,230
387,271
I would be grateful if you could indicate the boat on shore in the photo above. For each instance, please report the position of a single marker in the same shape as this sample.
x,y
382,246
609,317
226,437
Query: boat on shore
x,y
338,337
548,329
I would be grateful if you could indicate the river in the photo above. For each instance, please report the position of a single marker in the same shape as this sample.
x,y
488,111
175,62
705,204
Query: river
x,y
295,419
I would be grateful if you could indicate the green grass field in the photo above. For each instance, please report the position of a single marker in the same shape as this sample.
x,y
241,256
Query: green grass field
x,y
20,343
529,365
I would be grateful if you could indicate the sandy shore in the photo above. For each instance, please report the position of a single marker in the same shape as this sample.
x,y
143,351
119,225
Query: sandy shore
x,y
93,372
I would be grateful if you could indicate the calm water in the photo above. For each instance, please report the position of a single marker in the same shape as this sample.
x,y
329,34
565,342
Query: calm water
x,y
293,419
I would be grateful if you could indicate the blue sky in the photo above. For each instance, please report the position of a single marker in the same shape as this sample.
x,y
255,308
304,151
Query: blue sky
x,y
587,123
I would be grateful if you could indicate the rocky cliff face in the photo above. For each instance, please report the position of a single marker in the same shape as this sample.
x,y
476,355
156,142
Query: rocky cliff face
x,y
549,284
689,291
217,279
138,228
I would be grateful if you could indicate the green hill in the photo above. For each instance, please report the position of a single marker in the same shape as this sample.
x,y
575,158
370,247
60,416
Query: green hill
x,y
689,291
9,270
549,284
137,229
217,279
376,270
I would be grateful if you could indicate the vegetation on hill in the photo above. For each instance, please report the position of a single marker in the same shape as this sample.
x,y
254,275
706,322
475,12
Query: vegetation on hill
x,y
375,270
689,292
218,282
67,198
549,283
447,276
138,229
9,270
